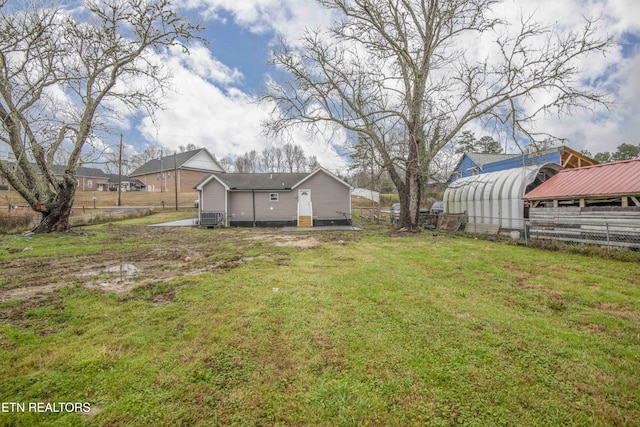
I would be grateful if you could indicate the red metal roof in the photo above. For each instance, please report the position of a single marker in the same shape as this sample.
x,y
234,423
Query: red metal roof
x,y
620,178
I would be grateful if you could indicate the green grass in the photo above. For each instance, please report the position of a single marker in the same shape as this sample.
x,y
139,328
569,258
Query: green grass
x,y
363,329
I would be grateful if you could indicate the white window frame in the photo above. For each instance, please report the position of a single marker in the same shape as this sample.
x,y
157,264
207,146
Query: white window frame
x,y
274,197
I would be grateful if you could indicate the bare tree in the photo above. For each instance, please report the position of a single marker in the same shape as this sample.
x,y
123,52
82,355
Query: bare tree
x,y
289,157
151,152
267,160
300,159
278,159
61,72
312,163
225,163
188,147
399,73
253,160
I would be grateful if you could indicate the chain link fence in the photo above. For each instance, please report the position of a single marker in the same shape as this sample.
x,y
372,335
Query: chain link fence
x,y
615,229
598,233
23,219
609,231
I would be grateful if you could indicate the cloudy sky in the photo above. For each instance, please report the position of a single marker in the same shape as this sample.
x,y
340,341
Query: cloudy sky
x,y
216,86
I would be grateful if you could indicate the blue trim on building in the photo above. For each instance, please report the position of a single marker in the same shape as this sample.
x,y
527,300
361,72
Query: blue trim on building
x,y
466,165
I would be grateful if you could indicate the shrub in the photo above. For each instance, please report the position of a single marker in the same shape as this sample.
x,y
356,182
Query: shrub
x,y
16,221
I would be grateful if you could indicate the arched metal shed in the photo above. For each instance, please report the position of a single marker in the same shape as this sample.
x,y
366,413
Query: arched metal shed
x,y
496,197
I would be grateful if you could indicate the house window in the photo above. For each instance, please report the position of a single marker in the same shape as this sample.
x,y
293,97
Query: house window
x,y
89,183
273,197
475,171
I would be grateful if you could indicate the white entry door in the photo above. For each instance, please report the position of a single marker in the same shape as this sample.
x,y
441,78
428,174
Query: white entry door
x,y
305,208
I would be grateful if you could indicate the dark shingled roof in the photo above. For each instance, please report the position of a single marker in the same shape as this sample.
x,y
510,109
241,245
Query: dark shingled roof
x,y
82,171
484,159
168,163
58,170
113,179
261,181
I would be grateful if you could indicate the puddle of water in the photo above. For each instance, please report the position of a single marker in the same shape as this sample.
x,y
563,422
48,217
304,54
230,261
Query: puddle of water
x,y
124,268
89,273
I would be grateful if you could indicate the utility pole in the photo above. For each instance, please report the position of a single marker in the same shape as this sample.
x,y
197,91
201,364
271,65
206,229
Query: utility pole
x,y
175,175
120,175
161,172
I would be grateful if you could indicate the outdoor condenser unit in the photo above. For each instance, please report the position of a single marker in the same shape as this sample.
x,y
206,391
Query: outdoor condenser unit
x,y
211,219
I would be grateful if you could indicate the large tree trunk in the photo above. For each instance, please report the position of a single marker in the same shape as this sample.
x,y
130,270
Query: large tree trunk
x,y
410,199
55,214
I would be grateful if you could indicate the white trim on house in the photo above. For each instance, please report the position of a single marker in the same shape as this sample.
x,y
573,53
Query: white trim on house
x,y
207,180
315,172
202,161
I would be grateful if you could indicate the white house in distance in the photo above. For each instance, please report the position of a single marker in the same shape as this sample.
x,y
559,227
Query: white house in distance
x,y
318,198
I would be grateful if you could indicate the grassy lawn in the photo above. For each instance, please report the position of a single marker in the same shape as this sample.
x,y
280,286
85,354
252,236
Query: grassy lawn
x,y
338,328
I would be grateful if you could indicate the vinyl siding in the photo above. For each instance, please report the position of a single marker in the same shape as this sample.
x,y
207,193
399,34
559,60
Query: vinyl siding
x,y
331,200
213,197
329,196
241,206
521,161
202,161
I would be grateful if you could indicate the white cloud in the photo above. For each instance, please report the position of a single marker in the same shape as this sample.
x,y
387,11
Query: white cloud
x,y
598,130
200,60
208,108
624,14
225,121
286,17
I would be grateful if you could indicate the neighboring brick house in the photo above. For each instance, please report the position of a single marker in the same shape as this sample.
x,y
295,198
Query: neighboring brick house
x,y
89,179
187,169
128,184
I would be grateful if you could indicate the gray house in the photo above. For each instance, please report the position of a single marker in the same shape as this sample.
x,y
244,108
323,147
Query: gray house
x,y
274,199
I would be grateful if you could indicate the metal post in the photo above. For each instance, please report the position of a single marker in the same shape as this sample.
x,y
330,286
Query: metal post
x,y
120,174
253,195
608,241
175,175
161,174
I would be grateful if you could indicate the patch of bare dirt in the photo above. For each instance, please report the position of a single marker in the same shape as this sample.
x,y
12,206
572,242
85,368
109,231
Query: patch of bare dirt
x,y
302,241
137,256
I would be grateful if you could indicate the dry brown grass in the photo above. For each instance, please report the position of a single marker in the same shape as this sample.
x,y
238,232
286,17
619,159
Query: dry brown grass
x,y
110,198
16,220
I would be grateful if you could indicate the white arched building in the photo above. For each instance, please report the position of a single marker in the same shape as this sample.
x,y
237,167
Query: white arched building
x,y
496,197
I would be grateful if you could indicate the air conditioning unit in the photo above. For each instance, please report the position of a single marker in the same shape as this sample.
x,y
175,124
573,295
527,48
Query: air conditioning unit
x,y
211,219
